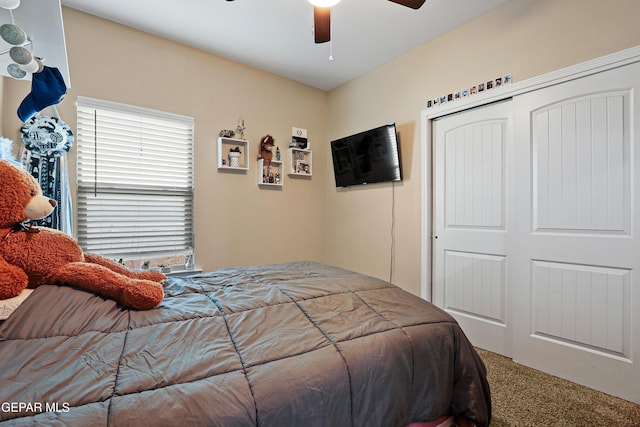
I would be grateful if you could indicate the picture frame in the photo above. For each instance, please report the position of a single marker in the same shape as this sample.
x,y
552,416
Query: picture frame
x,y
302,167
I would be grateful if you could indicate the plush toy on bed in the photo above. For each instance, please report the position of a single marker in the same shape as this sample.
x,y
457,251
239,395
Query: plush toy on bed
x,y
34,256
266,149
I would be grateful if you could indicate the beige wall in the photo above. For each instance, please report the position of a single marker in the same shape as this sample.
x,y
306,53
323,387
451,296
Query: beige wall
x,y
523,37
236,222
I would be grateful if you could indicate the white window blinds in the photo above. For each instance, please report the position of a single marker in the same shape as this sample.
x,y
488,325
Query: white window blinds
x,y
135,181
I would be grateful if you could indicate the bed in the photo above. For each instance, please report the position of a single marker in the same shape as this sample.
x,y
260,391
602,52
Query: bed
x,y
295,344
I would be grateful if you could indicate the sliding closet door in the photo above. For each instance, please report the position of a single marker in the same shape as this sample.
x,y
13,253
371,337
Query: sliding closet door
x,y
471,222
575,273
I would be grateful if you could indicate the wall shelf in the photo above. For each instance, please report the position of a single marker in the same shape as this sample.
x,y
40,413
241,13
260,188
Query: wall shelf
x,y
225,145
270,175
300,162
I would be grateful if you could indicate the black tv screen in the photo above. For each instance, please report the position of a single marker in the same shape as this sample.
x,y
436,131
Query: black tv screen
x,y
367,157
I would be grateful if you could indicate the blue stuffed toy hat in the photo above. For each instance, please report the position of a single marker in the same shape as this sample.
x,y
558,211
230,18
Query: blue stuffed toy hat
x,y
47,89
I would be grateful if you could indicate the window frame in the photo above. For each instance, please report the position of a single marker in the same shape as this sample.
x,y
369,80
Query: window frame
x,y
104,183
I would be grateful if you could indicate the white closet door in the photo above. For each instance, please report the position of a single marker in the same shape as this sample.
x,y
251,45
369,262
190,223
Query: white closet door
x,y
575,275
471,225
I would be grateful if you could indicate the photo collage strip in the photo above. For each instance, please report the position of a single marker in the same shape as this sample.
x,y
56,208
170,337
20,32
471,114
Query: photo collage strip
x,y
470,91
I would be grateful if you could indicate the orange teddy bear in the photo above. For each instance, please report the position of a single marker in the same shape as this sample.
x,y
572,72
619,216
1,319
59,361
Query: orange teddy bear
x,y
34,256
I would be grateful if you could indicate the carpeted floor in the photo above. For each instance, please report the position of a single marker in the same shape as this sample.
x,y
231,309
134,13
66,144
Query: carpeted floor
x,y
522,396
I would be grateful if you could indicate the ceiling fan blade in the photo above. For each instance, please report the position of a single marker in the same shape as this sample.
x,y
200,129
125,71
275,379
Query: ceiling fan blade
x,y
322,24
413,4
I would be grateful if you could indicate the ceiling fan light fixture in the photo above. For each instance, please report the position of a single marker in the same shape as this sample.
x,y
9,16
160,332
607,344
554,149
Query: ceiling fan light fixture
x,y
9,4
324,3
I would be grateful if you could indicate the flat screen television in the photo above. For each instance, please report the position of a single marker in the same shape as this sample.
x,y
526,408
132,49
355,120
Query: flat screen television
x,y
367,157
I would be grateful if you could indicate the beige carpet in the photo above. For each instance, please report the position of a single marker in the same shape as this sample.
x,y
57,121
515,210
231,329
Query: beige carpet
x,y
522,396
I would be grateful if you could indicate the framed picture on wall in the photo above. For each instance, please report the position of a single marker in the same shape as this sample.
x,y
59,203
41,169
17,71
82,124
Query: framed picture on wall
x,y
302,166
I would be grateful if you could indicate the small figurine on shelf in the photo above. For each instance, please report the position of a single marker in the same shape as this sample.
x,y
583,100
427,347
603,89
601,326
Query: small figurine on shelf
x,y
234,157
277,153
266,149
188,262
278,178
226,133
240,128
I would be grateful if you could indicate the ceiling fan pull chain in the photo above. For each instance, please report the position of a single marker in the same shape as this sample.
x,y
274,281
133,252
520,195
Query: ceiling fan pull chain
x,y
331,38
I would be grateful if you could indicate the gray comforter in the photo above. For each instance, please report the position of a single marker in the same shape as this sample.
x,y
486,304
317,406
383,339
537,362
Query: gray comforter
x,y
298,344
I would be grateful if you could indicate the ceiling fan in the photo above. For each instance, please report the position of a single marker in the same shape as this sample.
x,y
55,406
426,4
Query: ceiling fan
x,y
322,16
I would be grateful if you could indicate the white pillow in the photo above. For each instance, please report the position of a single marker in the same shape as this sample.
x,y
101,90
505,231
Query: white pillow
x,y
8,306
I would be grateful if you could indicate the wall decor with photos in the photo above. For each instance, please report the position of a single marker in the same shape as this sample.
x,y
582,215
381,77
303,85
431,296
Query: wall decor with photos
x,y
300,162
299,155
476,89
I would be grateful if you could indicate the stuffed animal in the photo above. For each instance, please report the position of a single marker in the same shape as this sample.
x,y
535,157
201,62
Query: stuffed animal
x,y
33,256
266,149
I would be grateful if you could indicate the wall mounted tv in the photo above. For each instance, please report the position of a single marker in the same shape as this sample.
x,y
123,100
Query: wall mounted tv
x,y
367,157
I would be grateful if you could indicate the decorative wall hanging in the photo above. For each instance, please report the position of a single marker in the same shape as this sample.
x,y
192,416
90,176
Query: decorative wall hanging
x,y
46,141
496,83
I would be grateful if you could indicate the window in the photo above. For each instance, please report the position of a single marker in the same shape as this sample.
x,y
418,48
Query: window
x,y
135,182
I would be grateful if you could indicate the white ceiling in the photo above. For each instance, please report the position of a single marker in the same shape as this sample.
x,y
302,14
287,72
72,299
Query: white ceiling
x,y
276,35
